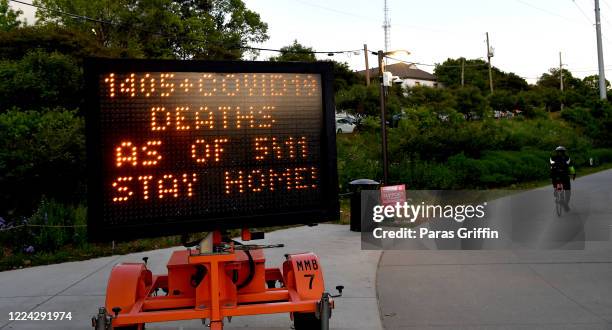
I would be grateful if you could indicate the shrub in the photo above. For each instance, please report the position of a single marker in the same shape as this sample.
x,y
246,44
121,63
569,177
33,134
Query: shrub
x,y
41,153
42,234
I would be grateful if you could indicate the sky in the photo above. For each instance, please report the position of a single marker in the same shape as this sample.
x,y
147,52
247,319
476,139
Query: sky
x,y
527,35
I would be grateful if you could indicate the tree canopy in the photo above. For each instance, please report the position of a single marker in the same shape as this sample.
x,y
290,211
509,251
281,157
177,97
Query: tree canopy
x,y
295,52
9,18
188,29
476,73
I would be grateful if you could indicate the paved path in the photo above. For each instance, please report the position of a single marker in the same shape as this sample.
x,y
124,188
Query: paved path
x,y
79,287
523,289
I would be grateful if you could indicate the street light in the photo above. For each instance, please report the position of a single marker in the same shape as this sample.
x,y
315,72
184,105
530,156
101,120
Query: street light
x,y
383,110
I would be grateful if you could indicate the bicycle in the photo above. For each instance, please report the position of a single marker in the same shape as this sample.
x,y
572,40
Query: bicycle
x,y
559,198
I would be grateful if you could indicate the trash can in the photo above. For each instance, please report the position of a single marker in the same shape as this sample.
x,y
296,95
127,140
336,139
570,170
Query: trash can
x,y
356,187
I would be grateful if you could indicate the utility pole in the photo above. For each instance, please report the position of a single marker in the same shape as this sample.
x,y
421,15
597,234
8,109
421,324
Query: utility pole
x,y
383,120
462,71
489,55
367,72
602,75
561,78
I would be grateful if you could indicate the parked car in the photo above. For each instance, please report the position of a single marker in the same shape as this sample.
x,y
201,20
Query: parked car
x,y
345,125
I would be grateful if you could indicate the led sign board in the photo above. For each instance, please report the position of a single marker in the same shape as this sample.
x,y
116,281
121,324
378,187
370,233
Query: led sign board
x,y
182,146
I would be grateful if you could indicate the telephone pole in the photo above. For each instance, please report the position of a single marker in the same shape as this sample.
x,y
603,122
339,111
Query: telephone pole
x,y
489,55
602,75
462,71
561,78
367,72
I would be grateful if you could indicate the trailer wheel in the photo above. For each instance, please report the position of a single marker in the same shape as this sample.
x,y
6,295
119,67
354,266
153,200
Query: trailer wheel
x,y
306,321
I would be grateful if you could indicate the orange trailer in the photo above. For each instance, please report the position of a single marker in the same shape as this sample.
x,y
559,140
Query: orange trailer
x,y
232,280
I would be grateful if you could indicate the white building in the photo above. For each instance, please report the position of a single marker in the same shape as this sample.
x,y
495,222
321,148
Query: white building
x,y
409,74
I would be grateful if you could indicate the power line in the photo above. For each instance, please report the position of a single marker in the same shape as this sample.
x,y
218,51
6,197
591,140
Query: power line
x,y
434,65
606,4
591,22
62,12
545,10
87,18
582,12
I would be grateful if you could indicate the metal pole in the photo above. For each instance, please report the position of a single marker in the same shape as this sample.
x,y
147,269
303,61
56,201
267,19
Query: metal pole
x,y
602,75
489,59
383,121
561,78
367,65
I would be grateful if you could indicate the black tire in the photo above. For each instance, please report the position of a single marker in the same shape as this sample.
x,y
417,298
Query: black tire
x,y
130,327
559,200
306,321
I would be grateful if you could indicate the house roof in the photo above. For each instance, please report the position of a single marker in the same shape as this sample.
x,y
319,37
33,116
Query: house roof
x,y
404,71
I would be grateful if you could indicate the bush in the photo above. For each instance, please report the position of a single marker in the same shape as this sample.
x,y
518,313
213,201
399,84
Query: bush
x,y
52,226
471,103
41,153
601,156
52,213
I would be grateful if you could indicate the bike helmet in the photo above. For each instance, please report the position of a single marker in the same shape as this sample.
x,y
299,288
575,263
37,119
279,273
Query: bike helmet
x,y
561,148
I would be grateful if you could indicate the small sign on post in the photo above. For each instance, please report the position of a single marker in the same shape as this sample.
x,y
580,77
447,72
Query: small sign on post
x,y
391,195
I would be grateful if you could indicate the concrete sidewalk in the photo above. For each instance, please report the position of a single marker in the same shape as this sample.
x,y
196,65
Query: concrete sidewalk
x,y
79,287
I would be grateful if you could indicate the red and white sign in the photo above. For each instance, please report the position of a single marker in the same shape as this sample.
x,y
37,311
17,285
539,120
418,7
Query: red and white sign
x,y
391,195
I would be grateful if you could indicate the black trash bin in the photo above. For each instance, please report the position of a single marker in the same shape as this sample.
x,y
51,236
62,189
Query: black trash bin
x,y
356,187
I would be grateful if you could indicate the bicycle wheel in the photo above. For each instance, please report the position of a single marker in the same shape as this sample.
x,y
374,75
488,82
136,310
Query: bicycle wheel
x,y
559,198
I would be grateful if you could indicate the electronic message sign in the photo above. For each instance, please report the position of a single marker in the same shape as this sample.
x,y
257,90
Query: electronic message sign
x,y
182,146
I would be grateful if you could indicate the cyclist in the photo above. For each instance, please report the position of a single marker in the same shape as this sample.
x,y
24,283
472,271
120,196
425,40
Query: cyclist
x,y
561,169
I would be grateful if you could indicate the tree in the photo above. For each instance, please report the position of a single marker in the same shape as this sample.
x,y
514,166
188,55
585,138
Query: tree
x,y
476,73
40,80
50,38
359,99
502,100
551,80
449,73
344,77
530,102
189,29
470,102
9,18
551,98
295,52
438,99
510,82
591,84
